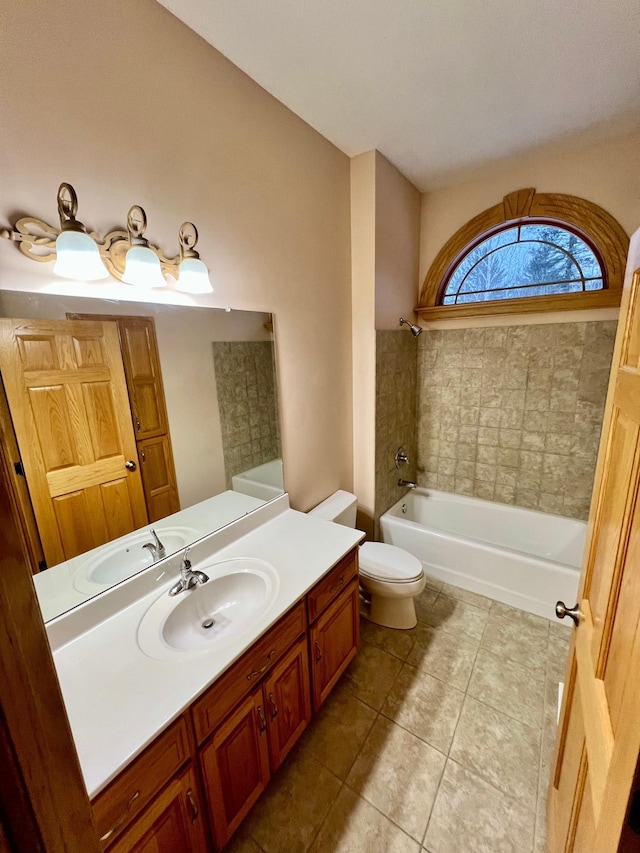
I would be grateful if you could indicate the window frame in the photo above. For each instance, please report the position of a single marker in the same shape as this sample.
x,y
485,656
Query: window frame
x,y
591,223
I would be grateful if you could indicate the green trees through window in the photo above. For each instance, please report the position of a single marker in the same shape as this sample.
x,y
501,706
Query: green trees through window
x,y
533,259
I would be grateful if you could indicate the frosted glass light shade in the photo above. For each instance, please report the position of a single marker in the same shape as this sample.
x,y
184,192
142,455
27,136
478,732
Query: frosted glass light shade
x,y
193,276
78,257
142,268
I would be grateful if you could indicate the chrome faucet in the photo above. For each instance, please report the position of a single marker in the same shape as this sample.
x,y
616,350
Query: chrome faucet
x,y
188,578
408,483
155,548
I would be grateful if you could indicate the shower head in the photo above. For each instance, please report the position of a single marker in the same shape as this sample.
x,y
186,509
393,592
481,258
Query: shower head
x,y
415,330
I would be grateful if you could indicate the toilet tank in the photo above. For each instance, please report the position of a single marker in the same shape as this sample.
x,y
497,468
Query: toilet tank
x,y
340,507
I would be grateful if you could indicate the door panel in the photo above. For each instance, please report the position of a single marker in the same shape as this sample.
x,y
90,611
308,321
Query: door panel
x,y
235,766
143,372
158,477
67,395
172,823
599,732
288,702
335,638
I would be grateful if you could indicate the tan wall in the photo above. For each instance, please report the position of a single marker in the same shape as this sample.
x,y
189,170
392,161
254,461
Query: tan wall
x,y
606,173
363,284
130,106
397,245
385,242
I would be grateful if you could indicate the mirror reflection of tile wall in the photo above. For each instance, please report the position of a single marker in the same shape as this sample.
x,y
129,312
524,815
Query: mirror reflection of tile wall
x,y
247,398
513,414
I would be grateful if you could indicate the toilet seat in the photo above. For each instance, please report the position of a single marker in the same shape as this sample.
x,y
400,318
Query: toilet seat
x,y
388,563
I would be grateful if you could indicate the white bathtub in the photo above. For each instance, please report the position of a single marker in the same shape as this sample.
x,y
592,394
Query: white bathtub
x,y
265,481
521,557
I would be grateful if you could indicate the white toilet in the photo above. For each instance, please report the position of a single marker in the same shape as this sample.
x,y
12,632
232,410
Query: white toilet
x,y
389,576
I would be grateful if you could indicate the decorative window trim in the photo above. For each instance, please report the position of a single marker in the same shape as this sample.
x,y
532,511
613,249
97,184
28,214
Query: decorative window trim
x,y
602,230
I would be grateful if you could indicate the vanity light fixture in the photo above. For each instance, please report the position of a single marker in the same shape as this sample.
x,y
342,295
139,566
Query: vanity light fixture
x,y
126,255
141,264
77,256
193,276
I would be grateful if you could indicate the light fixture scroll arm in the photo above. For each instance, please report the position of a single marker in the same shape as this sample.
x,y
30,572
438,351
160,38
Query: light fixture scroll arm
x,y
35,238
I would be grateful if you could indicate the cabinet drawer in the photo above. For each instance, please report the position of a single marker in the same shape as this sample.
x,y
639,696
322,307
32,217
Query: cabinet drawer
x,y
116,806
326,590
242,677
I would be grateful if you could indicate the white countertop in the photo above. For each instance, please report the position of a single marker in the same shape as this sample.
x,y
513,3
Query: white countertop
x,y
117,698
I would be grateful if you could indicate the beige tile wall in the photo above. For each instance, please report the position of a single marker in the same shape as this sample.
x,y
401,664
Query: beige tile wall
x,y
396,385
247,399
513,414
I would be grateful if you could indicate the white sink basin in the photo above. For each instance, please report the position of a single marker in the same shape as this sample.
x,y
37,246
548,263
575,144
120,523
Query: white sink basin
x,y
119,560
238,593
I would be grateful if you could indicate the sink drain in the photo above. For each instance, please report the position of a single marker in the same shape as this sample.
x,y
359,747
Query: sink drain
x,y
208,623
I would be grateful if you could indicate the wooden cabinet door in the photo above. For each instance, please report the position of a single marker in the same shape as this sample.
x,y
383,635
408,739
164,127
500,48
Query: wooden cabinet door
x,y
67,394
287,701
142,365
599,731
235,766
158,477
335,638
172,823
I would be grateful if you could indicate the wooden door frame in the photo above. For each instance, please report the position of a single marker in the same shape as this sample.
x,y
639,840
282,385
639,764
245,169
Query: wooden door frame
x,y
44,807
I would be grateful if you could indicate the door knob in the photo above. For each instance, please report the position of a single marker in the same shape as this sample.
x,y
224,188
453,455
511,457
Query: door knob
x,y
130,465
573,612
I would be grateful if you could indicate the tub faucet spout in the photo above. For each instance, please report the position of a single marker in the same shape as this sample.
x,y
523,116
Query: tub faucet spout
x,y
409,484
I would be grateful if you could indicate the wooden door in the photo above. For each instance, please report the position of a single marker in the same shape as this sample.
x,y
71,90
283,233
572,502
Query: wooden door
x,y
43,799
139,347
287,701
19,486
335,638
172,823
142,366
235,766
158,477
599,732
66,390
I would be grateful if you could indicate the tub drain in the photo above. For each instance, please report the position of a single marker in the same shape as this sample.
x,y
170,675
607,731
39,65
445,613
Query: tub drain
x,y
208,623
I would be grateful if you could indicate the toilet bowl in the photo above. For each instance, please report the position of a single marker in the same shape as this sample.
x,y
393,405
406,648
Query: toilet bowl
x,y
390,577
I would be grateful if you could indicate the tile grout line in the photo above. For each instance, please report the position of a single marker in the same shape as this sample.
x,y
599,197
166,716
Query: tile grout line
x,y
447,759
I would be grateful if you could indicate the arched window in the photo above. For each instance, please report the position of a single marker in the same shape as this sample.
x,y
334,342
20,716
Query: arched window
x,y
535,259
533,252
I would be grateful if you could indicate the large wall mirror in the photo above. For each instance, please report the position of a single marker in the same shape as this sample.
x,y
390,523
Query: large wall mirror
x,y
123,418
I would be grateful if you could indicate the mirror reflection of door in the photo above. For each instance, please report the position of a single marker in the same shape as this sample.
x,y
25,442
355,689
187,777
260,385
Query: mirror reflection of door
x,y
599,732
65,386
143,375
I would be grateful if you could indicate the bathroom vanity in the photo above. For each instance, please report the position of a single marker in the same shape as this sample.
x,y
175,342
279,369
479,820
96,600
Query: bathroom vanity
x,y
179,735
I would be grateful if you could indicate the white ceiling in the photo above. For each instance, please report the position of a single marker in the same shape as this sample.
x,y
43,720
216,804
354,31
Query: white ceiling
x,y
435,85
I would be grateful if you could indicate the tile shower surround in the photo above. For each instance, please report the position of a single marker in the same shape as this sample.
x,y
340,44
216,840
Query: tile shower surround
x,y
436,740
513,414
247,400
396,395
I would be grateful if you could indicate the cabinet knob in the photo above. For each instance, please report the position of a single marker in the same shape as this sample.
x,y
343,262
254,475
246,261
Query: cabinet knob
x,y
263,719
194,806
573,612
274,712
116,826
338,586
264,668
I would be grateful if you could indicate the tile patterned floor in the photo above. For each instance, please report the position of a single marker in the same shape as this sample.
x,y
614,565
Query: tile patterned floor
x,y
437,740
